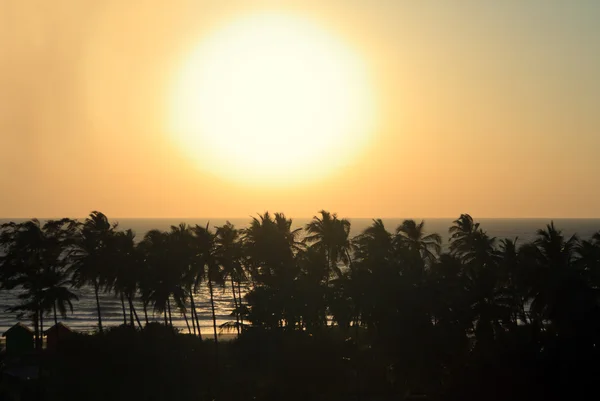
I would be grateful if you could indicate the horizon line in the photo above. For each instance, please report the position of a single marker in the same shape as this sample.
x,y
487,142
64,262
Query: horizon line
x,y
307,217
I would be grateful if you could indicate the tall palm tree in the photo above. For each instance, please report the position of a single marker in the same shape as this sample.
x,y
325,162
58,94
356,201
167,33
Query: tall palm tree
x,y
373,265
461,234
374,244
91,254
57,296
412,236
270,246
183,253
122,276
34,261
208,266
165,278
556,285
511,276
588,261
229,255
23,267
330,235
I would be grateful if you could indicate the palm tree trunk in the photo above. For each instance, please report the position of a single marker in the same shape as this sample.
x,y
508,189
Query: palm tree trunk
x,y
187,323
214,318
36,329
195,316
130,311
133,312
41,328
145,304
55,318
235,303
212,305
192,311
96,290
123,307
169,308
239,285
166,320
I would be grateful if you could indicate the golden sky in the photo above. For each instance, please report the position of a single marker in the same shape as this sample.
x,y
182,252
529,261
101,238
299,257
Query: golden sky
x,y
484,107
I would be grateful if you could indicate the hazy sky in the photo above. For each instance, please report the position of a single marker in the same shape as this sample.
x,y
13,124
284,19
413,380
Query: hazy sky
x,y
486,107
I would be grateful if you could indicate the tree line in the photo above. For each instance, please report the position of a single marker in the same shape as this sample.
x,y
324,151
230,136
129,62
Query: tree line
x,y
424,310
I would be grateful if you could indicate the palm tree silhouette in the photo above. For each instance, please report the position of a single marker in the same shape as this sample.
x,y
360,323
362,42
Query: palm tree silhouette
x,y
91,254
461,234
556,285
57,297
229,255
34,261
209,268
412,236
122,276
330,235
164,279
270,246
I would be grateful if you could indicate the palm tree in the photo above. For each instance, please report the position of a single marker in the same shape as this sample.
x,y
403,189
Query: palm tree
x,y
588,262
373,264
511,277
374,244
91,254
57,296
412,236
330,235
228,253
208,266
183,251
270,246
124,271
23,267
165,276
461,234
34,261
556,285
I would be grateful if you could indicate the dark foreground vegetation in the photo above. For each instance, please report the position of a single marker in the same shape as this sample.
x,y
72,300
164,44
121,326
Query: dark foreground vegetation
x,y
327,317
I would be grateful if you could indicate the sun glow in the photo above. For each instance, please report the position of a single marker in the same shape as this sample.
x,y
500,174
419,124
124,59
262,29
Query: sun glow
x,y
272,98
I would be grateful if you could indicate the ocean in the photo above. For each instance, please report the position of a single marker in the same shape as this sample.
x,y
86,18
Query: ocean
x,y
84,315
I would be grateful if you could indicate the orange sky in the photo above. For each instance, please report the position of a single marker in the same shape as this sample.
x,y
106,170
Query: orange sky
x,y
490,108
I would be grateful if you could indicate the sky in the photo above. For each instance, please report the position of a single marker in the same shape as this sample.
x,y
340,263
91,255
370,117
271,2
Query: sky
x,y
484,107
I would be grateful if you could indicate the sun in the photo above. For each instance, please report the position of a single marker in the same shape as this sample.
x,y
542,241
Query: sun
x,y
272,98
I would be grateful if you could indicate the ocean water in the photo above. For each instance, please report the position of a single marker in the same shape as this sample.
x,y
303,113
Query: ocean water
x,y
84,315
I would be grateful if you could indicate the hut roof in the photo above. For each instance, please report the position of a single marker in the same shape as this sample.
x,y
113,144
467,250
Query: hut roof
x,y
59,326
16,328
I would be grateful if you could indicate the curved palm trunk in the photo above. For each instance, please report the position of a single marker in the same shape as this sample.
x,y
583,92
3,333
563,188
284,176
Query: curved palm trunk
x,y
41,329
123,307
169,308
195,315
187,323
96,290
133,312
239,284
192,309
235,303
36,329
145,305
55,318
214,318
212,306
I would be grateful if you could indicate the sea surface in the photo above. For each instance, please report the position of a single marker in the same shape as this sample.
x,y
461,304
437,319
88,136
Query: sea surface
x,y
84,317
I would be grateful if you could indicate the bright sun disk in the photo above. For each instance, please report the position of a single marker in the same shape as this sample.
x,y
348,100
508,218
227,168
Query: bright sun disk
x,y
272,98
